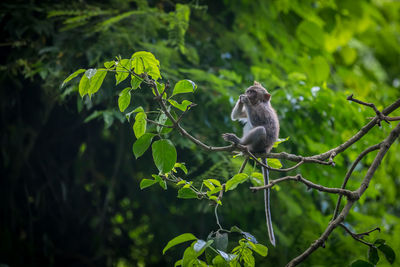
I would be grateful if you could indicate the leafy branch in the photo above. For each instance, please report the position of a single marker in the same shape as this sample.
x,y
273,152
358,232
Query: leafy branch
x,y
143,68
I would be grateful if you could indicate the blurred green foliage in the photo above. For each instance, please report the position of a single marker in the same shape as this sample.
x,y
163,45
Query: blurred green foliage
x,y
70,190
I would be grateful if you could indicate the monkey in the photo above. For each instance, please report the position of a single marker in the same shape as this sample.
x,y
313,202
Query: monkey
x,y
260,132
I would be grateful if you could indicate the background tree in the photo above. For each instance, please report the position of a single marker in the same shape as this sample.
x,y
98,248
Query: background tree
x,y
70,191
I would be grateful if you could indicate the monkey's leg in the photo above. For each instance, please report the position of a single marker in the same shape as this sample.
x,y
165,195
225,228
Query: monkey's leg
x,y
255,139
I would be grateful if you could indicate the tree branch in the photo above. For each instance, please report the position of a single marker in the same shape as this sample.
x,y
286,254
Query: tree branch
x,y
350,171
358,237
386,144
308,183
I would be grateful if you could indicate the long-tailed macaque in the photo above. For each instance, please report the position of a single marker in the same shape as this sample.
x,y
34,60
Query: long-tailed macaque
x,y
260,132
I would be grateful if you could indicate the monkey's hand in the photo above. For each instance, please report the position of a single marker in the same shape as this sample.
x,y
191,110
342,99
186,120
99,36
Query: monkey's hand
x,y
230,137
244,99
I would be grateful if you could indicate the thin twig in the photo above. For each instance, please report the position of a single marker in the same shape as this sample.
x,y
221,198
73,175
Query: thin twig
x,y
386,144
308,183
243,165
358,237
379,114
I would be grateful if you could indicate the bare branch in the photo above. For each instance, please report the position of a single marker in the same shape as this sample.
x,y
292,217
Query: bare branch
x,y
350,171
386,144
243,165
308,183
358,237
371,105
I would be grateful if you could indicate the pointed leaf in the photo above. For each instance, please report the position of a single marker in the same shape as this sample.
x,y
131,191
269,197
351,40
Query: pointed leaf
x,y
96,81
73,75
184,86
274,163
84,85
373,255
388,252
186,193
122,70
143,61
164,155
235,181
142,144
146,183
124,99
178,240
139,127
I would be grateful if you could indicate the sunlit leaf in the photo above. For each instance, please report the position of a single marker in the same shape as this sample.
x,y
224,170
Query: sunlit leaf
x,y
146,183
186,193
96,81
274,163
73,75
143,61
235,181
122,71
139,127
124,99
184,86
178,240
310,34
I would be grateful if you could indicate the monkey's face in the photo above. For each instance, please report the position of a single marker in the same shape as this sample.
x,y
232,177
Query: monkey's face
x,y
256,94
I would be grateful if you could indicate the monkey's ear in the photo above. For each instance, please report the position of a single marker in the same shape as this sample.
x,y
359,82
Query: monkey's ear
x,y
267,96
257,84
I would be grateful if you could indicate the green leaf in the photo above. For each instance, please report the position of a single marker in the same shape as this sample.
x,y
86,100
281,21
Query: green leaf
x,y
122,70
143,61
250,237
260,249
142,144
178,240
73,75
215,182
146,183
139,127
310,34
183,106
186,193
218,261
208,184
388,252
235,181
379,242
138,109
361,263
96,81
109,64
178,263
84,85
181,166
135,82
373,255
280,140
184,86
124,99
274,163
164,155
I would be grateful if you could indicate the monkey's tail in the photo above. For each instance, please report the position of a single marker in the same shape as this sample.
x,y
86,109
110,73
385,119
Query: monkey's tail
x,y
267,205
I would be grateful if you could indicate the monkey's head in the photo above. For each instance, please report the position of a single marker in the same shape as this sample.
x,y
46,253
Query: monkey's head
x,y
257,93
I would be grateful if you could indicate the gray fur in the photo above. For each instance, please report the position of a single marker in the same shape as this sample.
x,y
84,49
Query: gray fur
x,y
260,132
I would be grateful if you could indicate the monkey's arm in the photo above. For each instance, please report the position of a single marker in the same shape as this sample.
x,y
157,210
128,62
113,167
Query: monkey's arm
x,y
238,112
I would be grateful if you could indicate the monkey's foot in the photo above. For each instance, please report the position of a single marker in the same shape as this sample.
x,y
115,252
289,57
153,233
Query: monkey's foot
x,y
230,137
